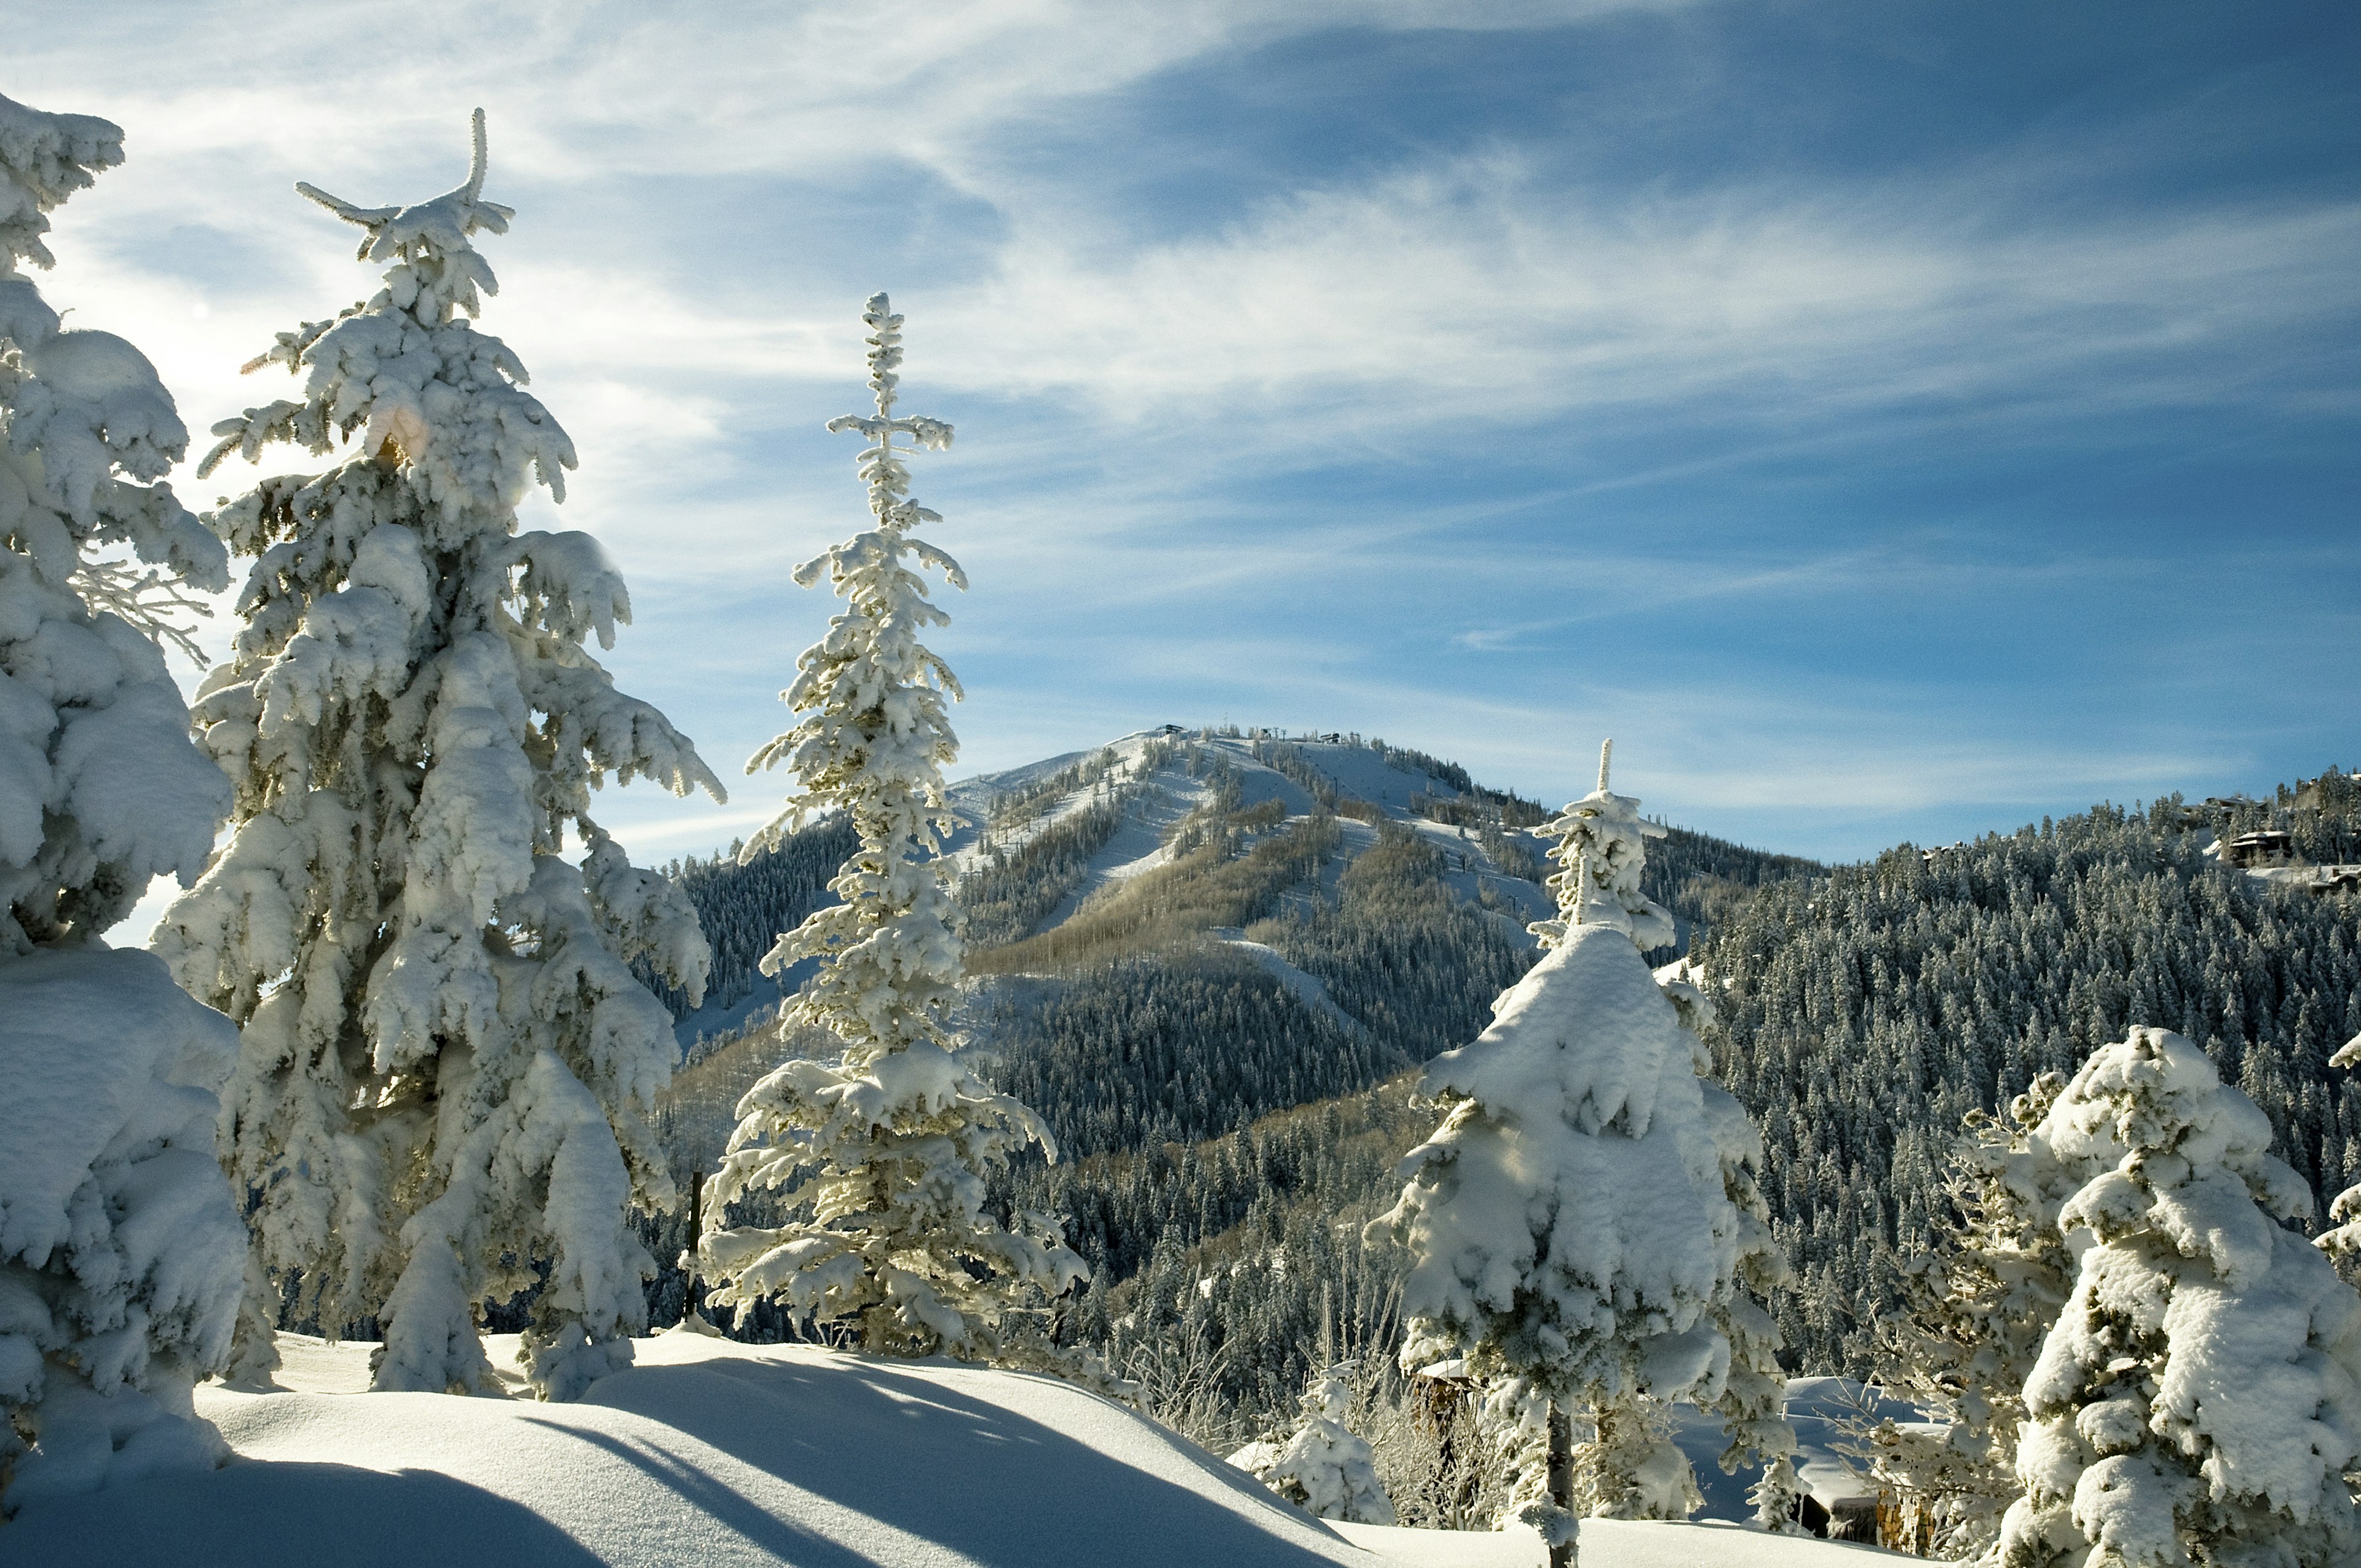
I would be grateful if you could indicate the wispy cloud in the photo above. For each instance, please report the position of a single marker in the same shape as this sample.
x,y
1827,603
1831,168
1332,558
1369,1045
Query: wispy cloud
x,y
1479,440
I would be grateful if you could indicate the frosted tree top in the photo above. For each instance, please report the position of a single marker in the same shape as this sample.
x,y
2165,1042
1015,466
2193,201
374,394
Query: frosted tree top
x,y
428,390
874,735
1602,847
2154,1090
432,237
881,465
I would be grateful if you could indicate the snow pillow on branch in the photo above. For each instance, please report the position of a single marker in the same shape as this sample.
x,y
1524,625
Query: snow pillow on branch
x,y
449,1065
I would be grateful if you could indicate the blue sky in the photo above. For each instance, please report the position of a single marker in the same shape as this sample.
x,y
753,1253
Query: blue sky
x,y
1889,421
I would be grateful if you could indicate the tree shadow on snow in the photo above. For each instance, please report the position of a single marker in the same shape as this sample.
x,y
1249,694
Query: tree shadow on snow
x,y
290,1515
959,1472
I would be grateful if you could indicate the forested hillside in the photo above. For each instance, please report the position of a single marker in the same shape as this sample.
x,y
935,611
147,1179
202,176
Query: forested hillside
x,y
1200,954
1208,958
1863,1015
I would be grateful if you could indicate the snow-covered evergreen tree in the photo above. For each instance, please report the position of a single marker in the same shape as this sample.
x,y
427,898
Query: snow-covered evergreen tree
x,y
1322,1464
1570,1223
1976,1306
2343,1244
879,1157
444,1092
2200,1397
120,1248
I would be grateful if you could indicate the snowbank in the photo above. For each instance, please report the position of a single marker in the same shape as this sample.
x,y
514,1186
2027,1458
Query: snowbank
x,y
717,1454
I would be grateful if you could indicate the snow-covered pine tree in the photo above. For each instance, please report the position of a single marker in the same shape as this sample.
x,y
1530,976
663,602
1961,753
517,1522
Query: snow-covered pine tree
x,y
879,1157
120,1247
1323,1465
2201,1395
2342,1244
1569,1224
1976,1306
443,1091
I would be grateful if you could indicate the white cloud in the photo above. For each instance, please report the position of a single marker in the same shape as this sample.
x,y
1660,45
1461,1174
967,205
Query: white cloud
x,y
1124,402
1476,293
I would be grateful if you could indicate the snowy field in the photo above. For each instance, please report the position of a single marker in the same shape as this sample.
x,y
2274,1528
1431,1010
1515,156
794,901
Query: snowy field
x,y
714,1453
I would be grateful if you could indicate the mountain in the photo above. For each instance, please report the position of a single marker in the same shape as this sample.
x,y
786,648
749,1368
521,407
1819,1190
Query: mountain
x,y
1209,959
1308,913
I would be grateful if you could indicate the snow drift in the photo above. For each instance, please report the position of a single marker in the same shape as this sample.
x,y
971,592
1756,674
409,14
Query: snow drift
x,y
721,1454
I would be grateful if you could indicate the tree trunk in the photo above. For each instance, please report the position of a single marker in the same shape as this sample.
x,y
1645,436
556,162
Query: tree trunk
x,y
695,1232
1560,1477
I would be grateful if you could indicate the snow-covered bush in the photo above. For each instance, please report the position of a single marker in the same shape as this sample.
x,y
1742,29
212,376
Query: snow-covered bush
x,y
1755,1395
1571,1223
2201,1395
2343,1244
879,1156
1976,1306
120,1248
1322,1464
443,1091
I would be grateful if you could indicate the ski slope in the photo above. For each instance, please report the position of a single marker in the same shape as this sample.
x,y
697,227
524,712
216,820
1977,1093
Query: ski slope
x,y
1166,795
721,1456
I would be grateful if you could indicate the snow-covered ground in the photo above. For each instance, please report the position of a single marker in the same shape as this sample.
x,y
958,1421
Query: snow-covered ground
x,y
711,1453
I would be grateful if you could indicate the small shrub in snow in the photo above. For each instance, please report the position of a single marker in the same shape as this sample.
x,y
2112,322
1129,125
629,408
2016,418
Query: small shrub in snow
x,y
120,1248
2201,1394
444,1094
1322,1464
880,1157
1572,1224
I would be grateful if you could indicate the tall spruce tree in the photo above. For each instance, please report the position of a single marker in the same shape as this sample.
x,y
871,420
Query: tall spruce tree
x,y
1571,1223
2200,1397
448,1066
879,1157
120,1249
